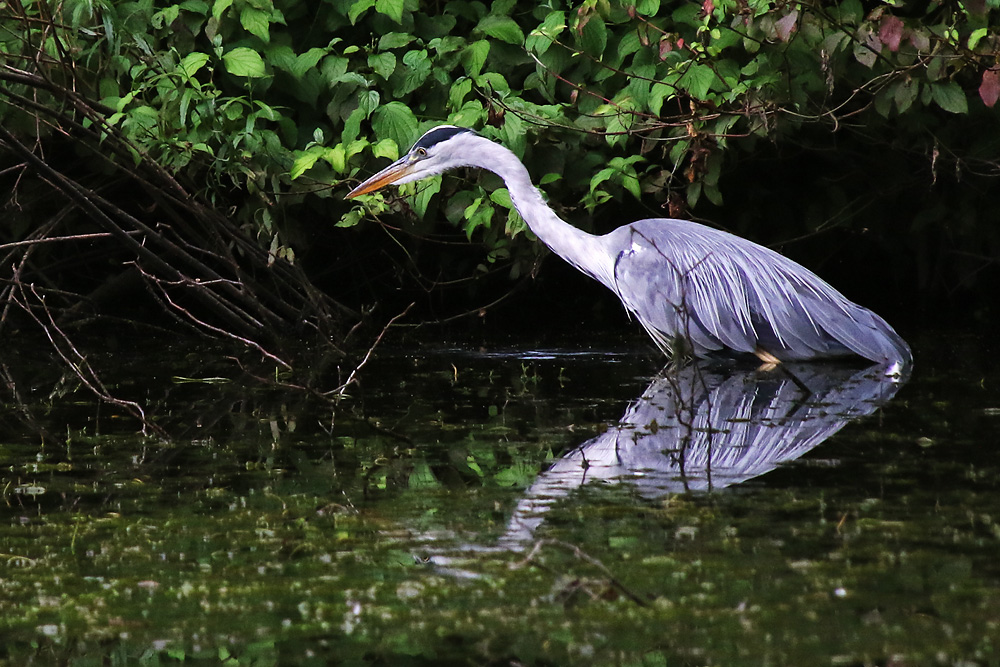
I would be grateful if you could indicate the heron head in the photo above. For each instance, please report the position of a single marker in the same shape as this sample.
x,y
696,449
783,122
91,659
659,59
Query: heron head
x,y
436,151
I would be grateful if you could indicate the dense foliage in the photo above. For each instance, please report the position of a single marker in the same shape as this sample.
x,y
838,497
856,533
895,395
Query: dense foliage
x,y
263,105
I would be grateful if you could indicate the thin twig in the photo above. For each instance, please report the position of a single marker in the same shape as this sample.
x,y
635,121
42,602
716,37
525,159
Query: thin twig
x,y
222,332
59,239
339,391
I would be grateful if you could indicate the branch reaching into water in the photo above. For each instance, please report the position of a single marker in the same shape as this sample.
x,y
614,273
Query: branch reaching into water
x,y
72,357
339,392
580,554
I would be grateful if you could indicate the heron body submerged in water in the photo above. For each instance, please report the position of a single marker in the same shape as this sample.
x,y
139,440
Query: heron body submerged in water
x,y
695,289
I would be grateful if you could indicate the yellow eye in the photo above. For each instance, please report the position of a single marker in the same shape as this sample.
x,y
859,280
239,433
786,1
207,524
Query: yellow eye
x,y
422,152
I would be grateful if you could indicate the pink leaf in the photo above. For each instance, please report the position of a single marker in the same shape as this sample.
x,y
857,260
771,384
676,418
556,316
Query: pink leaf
x,y
707,7
977,7
786,25
989,89
890,32
666,46
583,20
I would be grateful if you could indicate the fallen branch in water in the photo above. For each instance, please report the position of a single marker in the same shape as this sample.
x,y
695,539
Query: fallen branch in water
x,y
581,555
74,360
339,392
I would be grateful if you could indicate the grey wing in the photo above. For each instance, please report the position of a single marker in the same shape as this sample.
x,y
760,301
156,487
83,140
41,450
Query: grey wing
x,y
715,291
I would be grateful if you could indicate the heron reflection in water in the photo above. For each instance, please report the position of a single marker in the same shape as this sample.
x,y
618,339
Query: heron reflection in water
x,y
705,427
696,290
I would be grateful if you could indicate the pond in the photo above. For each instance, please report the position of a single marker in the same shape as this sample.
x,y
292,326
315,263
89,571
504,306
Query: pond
x,y
505,505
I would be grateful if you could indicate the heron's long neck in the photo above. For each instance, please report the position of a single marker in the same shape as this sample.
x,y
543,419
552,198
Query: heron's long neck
x,y
582,250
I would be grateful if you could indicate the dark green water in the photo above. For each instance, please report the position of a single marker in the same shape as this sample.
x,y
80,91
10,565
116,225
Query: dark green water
x,y
470,507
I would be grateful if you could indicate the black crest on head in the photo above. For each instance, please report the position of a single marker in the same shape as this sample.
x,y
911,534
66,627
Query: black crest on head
x,y
437,135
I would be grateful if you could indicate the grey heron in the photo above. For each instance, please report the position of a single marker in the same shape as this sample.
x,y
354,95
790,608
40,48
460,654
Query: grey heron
x,y
695,289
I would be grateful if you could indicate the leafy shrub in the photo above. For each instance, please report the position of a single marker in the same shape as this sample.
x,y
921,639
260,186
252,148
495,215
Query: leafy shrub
x,y
270,105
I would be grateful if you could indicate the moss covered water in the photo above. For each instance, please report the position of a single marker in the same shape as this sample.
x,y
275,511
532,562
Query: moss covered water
x,y
441,517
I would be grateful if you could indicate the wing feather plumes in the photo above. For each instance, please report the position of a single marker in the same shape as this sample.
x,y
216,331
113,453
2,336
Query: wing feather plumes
x,y
720,291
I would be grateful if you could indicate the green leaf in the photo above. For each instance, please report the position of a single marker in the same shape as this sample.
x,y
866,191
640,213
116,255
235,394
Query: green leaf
x,y
697,80
625,168
728,71
395,121
444,45
474,57
470,115
386,148
165,17
383,64
867,45
242,61
425,192
883,102
306,61
849,11
358,8
647,7
503,28
662,90
304,160
541,37
629,44
502,7
417,69
352,126
694,193
905,94
950,97
471,209
337,158
638,86
394,40
334,68
976,36
459,90
501,197
368,101
481,215
234,110
356,146
620,121
193,62
256,22
266,111
281,56
184,105
713,194
493,81
513,134
600,177
391,8
594,36
351,218
220,7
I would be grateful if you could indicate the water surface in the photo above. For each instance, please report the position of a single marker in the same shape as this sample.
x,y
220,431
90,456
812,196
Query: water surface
x,y
506,505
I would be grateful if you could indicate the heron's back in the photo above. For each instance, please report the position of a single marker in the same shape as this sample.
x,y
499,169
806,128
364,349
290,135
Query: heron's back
x,y
711,290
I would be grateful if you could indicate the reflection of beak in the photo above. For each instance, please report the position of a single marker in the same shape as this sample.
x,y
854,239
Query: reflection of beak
x,y
390,174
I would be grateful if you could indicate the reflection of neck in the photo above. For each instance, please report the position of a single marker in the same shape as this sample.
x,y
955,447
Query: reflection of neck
x,y
584,251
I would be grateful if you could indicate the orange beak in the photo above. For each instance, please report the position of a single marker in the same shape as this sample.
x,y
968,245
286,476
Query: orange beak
x,y
390,174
